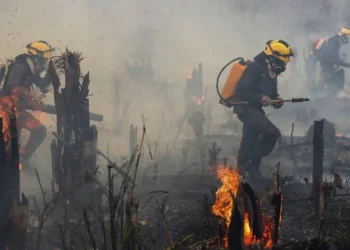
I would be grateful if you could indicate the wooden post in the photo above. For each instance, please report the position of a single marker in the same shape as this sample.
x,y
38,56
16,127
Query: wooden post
x,y
57,146
194,100
74,151
55,171
14,168
13,211
318,151
93,156
73,123
214,153
2,144
133,139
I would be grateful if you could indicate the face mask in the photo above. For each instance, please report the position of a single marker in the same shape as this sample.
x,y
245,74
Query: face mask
x,y
41,65
277,65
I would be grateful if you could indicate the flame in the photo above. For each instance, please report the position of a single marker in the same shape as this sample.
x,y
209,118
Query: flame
x,y
6,107
224,204
189,73
343,156
248,235
198,100
338,135
20,166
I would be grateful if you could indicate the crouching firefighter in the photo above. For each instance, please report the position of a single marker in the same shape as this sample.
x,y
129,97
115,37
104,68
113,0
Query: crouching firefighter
x,y
254,83
18,77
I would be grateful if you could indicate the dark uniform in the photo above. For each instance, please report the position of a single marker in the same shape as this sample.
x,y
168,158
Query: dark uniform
x,y
18,82
259,133
330,61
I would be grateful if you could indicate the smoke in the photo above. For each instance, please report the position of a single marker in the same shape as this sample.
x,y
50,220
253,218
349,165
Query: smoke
x,y
174,35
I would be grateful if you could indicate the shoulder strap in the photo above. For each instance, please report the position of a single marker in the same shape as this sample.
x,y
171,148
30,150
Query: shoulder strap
x,y
322,45
30,64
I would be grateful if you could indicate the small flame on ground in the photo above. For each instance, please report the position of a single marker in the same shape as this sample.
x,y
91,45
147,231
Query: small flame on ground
x,y
20,166
224,204
6,107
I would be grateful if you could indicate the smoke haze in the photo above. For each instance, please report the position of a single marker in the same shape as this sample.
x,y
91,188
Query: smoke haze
x,y
173,35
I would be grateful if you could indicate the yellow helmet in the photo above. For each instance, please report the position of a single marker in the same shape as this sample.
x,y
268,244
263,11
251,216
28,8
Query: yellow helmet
x,y
279,49
40,48
344,31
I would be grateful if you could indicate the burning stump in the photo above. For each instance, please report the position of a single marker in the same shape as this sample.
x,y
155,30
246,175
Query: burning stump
x,y
13,210
194,99
237,205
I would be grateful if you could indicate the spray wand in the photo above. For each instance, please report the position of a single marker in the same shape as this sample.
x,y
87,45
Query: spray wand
x,y
293,100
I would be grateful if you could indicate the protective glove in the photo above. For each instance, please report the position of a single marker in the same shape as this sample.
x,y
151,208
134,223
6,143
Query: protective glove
x,y
266,101
278,105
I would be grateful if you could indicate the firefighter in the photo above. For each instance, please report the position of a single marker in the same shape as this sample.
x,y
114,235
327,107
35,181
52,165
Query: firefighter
x,y
23,72
258,86
326,51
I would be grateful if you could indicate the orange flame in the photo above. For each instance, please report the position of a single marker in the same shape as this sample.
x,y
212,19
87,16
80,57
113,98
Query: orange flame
x,y
198,100
6,107
189,73
20,166
338,135
224,204
266,240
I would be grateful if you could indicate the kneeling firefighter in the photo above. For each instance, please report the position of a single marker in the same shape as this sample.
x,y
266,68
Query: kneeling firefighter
x,y
18,78
255,83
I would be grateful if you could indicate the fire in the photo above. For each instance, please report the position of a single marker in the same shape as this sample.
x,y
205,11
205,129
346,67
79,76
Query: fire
x,y
343,156
189,72
266,240
6,107
338,135
224,204
198,100
20,166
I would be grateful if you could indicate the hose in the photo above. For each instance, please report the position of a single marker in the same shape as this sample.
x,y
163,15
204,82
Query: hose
x,y
219,75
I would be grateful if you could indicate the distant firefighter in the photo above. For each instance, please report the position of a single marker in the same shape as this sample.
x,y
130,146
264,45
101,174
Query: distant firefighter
x,y
326,51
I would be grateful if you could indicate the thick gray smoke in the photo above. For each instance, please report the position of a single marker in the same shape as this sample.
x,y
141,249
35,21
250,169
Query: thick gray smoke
x,y
162,39
175,34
